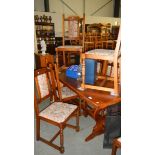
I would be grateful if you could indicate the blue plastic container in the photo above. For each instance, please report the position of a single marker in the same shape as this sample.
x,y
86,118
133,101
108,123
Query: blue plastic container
x,y
73,71
90,71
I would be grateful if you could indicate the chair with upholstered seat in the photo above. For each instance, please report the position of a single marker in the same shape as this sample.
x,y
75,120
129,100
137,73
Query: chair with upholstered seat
x,y
65,94
72,32
56,113
104,55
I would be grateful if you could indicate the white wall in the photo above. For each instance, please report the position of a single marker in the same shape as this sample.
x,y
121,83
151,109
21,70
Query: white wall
x,y
39,5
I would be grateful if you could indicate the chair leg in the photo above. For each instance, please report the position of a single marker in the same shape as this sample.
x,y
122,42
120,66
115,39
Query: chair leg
x,y
77,120
37,128
114,149
61,140
115,78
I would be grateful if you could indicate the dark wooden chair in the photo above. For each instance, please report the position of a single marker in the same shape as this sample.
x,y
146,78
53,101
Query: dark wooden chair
x,y
65,94
116,145
56,113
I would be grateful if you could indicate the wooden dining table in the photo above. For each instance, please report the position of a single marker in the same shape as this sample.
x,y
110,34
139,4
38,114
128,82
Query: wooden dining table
x,y
94,103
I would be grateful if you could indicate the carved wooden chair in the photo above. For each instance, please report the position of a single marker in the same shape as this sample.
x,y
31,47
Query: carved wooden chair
x,y
71,32
56,113
116,145
65,94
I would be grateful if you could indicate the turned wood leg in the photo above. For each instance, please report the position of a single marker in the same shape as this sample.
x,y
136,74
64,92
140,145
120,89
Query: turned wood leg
x,y
104,68
114,149
37,128
61,140
116,78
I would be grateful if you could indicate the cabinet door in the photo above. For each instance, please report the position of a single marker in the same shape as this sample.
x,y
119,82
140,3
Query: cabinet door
x,y
43,60
46,59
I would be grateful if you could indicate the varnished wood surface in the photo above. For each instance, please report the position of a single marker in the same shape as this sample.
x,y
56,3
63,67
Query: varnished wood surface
x,y
99,99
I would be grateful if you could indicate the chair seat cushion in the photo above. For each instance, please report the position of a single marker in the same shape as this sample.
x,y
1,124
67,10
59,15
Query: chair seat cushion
x,y
66,92
58,111
101,52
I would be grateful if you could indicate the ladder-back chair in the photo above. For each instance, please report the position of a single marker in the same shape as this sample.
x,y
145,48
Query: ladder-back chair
x,y
56,113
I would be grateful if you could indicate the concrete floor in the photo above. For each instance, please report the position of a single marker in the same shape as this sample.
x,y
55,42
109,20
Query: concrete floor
x,y
74,142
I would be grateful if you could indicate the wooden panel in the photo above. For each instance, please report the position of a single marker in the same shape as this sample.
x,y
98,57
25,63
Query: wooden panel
x,y
42,60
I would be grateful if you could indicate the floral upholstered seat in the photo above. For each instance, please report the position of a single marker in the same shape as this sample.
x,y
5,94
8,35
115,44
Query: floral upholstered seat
x,y
66,92
58,111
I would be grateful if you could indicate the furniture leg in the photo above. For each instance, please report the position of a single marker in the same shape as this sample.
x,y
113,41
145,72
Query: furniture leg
x,y
61,140
104,68
116,78
37,128
114,149
98,128
115,146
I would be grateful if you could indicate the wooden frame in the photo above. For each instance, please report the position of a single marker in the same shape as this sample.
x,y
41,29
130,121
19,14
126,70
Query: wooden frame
x,y
106,57
57,85
74,35
94,103
41,99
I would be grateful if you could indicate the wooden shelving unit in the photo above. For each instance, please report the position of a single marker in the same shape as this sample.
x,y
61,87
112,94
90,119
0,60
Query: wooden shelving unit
x,y
45,31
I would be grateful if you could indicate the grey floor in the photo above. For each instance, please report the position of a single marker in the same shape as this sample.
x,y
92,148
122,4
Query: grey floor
x,y
74,142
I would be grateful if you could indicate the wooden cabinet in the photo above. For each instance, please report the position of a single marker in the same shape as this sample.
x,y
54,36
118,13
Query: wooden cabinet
x,y
45,31
42,60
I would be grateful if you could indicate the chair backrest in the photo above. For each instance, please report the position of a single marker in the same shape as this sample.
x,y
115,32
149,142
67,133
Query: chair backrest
x,y
42,84
54,80
43,89
74,28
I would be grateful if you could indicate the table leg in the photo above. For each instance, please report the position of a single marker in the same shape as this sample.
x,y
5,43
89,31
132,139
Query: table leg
x,y
98,128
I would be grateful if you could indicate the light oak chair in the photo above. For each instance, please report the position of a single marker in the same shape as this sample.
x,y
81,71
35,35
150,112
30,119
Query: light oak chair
x,y
104,55
56,113
71,32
